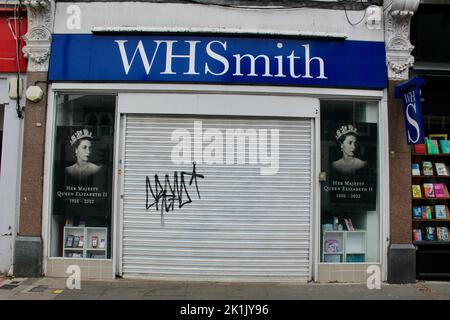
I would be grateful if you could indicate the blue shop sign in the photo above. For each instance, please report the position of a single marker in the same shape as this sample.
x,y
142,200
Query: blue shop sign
x,y
197,59
412,106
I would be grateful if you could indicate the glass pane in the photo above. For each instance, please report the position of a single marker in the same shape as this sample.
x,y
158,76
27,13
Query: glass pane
x,y
82,176
350,219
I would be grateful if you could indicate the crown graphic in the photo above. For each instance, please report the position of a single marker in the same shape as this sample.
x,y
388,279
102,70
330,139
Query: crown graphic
x,y
80,134
345,130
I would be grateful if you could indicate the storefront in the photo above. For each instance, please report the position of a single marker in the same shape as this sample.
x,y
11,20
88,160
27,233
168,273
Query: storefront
x,y
216,157
430,229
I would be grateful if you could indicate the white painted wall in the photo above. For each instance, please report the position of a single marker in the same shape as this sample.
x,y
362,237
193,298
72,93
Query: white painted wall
x,y
183,16
11,163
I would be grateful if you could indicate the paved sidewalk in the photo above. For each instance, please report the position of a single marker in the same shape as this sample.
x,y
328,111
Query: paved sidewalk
x,y
121,289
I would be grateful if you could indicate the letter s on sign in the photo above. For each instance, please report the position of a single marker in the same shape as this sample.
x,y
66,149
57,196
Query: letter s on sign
x,y
74,20
413,123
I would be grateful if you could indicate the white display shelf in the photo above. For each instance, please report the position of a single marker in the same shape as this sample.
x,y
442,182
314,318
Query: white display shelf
x,y
87,233
350,242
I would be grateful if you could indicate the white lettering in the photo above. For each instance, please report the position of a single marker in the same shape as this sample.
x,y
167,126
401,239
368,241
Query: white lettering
x,y
252,59
74,20
170,56
140,48
217,57
413,123
308,62
292,58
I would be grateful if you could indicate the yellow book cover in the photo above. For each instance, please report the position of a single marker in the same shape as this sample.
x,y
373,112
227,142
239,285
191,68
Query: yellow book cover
x,y
417,193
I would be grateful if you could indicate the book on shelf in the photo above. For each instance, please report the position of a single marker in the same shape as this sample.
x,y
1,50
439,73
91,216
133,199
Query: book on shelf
x,y
445,146
81,242
416,191
439,190
440,211
427,213
430,233
332,258
69,222
94,242
332,246
415,170
349,224
441,169
69,241
427,168
442,233
420,148
76,240
432,146
417,212
428,190
102,244
417,235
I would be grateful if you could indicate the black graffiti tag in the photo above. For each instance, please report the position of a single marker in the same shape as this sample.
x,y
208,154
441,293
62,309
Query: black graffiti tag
x,y
165,197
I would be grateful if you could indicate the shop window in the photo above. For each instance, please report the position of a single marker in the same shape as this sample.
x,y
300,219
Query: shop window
x,y
350,215
82,176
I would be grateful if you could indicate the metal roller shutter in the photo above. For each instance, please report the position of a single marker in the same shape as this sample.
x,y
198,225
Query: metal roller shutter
x,y
245,227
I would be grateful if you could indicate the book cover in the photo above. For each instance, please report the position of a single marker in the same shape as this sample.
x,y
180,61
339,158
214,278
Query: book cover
x,y
439,190
76,240
349,224
428,190
445,146
332,246
440,211
69,241
420,148
427,212
415,169
94,242
441,169
432,146
102,244
430,233
444,233
417,212
81,242
417,235
417,193
427,168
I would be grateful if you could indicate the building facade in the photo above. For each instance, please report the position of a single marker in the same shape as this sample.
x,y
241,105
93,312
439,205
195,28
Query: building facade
x,y
235,142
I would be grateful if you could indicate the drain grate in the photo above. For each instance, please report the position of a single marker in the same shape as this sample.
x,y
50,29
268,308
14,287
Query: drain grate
x,y
8,286
38,289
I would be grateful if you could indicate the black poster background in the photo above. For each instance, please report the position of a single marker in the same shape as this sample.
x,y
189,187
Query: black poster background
x,y
83,197
352,191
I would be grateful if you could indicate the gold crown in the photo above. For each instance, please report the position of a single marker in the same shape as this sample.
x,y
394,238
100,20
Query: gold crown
x,y
344,130
80,134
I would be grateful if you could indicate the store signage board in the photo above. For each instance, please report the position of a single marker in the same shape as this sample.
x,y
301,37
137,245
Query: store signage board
x,y
197,59
409,92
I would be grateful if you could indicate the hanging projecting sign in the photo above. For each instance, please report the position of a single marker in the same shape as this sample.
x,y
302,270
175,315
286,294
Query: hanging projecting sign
x,y
167,58
410,94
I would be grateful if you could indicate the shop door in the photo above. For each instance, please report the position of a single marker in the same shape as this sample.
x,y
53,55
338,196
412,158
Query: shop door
x,y
213,218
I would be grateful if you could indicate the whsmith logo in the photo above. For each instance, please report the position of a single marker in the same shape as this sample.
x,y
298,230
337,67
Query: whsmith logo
x,y
213,60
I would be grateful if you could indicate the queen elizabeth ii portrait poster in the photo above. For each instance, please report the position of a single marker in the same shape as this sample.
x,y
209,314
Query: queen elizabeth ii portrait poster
x,y
83,172
349,156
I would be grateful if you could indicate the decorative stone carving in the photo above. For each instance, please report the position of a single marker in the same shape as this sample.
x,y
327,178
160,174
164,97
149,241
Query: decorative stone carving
x,y
398,15
38,37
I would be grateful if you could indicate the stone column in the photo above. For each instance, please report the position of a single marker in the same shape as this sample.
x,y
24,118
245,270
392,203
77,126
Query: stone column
x,y
401,253
28,251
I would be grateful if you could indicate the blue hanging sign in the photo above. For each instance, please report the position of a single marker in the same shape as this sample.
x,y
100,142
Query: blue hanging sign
x,y
198,59
410,94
